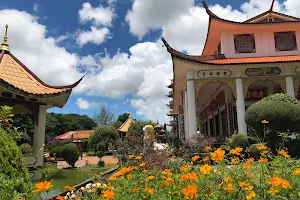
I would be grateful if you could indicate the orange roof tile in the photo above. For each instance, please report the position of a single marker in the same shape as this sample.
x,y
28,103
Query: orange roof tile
x,y
125,126
17,75
79,134
269,59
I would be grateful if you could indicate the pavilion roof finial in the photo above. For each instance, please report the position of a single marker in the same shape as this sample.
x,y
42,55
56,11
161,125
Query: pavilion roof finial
x,y
4,45
272,5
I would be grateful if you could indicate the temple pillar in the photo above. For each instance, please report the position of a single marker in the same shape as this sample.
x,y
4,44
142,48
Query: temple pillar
x,y
240,106
186,127
191,98
39,136
289,82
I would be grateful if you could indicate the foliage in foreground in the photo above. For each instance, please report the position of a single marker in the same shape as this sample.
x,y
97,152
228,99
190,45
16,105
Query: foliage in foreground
x,y
220,176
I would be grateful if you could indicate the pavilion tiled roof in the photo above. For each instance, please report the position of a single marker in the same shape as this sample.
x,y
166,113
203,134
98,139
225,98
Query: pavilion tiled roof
x,y
79,134
15,74
125,126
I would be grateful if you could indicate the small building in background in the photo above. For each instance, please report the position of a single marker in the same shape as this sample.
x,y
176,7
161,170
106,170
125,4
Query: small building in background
x,y
123,129
76,136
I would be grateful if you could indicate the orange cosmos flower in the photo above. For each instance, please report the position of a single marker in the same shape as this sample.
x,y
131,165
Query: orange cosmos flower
x,y
58,198
135,189
185,168
285,184
139,157
250,160
208,148
235,161
190,192
272,191
261,160
149,190
284,153
145,171
142,164
247,166
42,186
229,188
218,154
108,194
168,172
131,156
150,178
236,151
195,158
205,159
296,172
208,194
205,169
261,147
251,196
278,182
129,176
264,152
190,176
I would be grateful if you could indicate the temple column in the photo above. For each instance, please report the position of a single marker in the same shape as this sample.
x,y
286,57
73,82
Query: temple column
x,y
39,136
240,106
192,119
186,127
289,82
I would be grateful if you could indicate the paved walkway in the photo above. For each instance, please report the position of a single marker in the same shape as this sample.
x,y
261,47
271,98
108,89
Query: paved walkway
x,y
89,160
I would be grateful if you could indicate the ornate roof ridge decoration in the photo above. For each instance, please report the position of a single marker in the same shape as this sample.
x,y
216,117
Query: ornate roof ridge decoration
x,y
178,54
4,45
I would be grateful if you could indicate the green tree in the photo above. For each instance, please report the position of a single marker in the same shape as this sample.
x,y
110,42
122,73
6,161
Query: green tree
x,y
25,124
136,127
123,117
102,136
104,117
70,153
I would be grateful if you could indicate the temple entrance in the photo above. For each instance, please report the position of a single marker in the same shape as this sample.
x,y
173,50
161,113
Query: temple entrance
x,y
214,107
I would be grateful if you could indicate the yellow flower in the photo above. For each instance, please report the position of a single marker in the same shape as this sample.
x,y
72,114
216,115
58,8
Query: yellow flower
x,y
168,172
195,158
296,172
246,186
142,164
69,188
205,169
261,147
205,159
247,166
284,153
272,191
218,154
190,192
131,156
129,176
108,194
149,190
42,186
145,171
264,121
207,148
229,188
261,160
251,196
250,160
236,151
235,161
150,178
185,168
139,157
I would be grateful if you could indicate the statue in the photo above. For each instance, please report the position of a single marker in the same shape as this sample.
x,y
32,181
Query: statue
x,y
149,138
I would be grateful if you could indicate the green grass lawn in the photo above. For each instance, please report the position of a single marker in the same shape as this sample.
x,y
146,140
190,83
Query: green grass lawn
x,y
73,176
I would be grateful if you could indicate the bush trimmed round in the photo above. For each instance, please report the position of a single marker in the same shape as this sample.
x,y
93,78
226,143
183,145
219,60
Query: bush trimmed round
x,y
12,167
238,140
101,163
56,151
254,152
70,153
281,110
25,148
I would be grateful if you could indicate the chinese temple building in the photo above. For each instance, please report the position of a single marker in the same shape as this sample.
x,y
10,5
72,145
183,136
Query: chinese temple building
x,y
241,63
123,129
22,90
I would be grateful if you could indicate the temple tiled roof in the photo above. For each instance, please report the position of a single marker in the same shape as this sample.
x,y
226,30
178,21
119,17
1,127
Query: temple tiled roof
x,y
80,134
125,126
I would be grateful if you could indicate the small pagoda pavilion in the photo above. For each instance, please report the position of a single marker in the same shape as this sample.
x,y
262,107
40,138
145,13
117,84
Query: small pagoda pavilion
x,y
22,90
123,129
241,63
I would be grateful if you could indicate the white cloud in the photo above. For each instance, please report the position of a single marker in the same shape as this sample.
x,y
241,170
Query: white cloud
x,y
96,36
37,7
85,104
98,15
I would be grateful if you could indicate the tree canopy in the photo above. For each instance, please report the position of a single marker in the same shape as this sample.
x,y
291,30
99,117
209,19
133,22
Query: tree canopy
x,y
104,117
123,117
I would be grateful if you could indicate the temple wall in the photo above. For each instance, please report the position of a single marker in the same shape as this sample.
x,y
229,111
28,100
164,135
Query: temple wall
x,y
264,45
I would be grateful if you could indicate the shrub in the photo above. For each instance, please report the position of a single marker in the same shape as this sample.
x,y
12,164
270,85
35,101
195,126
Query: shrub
x,y
253,151
100,154
281,110
12,167
63,142
56,151
294,147
238,140
101,163
102,136
70,153
25,148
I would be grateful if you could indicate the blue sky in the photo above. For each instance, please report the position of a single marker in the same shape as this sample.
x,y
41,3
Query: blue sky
x,y
126,68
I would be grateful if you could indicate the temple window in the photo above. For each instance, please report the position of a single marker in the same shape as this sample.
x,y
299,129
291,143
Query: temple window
x,y
285,41
244,43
